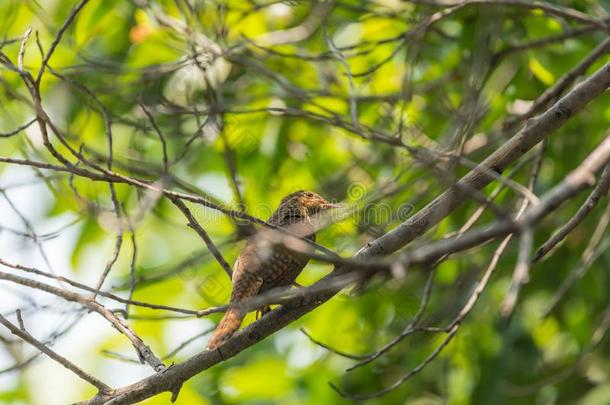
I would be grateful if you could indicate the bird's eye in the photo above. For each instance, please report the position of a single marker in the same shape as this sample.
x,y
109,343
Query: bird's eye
x,y
308,194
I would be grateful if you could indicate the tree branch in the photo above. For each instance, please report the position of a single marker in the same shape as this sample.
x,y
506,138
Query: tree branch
x,y
24,335
536,130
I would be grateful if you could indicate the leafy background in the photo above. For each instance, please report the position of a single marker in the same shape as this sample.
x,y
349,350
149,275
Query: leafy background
x,y
458,90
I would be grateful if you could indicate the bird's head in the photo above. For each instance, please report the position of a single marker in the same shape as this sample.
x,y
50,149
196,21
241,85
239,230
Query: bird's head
x,y
307,201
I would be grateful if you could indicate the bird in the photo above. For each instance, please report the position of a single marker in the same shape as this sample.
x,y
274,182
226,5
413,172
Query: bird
x,y
262,265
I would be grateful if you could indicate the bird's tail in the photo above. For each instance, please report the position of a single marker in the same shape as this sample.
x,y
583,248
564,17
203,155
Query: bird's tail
x,y
226,328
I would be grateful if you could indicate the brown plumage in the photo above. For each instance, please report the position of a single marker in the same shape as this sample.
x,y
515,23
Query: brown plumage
x,y
261,266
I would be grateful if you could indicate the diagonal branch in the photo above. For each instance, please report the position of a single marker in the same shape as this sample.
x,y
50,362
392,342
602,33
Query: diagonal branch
x,y
144,352
57,39
192,223
535,131
23,334
598,192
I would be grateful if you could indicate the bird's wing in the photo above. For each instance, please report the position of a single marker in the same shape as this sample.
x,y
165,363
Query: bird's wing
x,y
247,278
281,269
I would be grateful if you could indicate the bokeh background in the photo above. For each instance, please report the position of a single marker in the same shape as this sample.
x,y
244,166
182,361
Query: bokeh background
x,y
252,108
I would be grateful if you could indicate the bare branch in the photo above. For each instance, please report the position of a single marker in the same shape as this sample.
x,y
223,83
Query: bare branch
x,y
144,352
291,311
57,39
592,252
521,273
17,130
554,92
192,223
103,388
600,190
535,131
24,42
104,293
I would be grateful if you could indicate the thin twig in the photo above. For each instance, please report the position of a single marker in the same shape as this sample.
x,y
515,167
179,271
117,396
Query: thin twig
x,y
332,349
600,190
192,223
105,293
57,39
159,133
132,266
17,130
520,274
24,42
103,388
554,92
595,248
144,352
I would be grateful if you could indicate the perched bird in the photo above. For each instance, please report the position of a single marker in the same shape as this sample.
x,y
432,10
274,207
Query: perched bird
x,y
262,266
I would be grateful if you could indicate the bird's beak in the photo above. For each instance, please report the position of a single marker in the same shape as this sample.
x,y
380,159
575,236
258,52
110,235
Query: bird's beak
x,y
328,205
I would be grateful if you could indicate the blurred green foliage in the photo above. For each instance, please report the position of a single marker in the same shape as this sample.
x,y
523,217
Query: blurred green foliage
x,y
445,89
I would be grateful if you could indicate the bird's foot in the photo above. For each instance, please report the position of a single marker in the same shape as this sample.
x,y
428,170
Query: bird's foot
x,y
263,311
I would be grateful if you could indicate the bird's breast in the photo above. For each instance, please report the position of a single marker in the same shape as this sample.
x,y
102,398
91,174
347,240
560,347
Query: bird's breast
x,y
281,268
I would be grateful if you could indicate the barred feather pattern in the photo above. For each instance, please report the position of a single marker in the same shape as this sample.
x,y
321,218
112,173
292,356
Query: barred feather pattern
x,y
260,267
